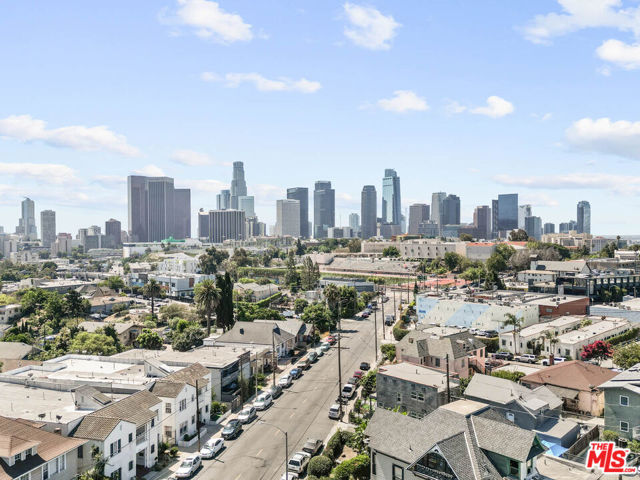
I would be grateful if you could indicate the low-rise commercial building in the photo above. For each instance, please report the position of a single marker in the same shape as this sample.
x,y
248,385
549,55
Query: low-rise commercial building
x,y
572,343
526,339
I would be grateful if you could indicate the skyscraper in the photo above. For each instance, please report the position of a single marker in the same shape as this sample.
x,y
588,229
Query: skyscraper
x,y
302,195
436,206
391,204
27,222
48,227
203,224
584,217
246,204
324,208
223,200
418,213
533,227
157,210
524,211
225,225
495,209
238,184
482,221
368,212
354,223
113,232
451,210
288,218
549,228
507,211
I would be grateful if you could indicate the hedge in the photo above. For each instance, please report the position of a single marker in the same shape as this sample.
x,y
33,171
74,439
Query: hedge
x,y
630,335
266,301
399,331
357,468
336,443
320,466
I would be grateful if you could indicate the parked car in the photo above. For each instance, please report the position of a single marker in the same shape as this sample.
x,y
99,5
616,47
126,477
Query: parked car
x,y
353,381
189,466
364,315
545,361
298,463
275,391
491,333
365,366
325,346
334,411
232,429
527,358
289,476
285,380
358,374
313,356
312,446
295,373
212,447
330,339
263,401
388,320
247,414
348,391
503,356
319,352
473,331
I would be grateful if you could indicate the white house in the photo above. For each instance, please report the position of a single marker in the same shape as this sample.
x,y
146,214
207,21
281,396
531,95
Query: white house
x,y
9,312
534,334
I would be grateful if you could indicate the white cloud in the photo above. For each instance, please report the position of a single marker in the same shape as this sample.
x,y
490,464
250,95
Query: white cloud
x,y
581,14
191,158
403,101
150,171
540,199
454,107
49,173
266,194
263,84
496,107
621,54
25,128
369,28
542,116
620,138
620,184
210,22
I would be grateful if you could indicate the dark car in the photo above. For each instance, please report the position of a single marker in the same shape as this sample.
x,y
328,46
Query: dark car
x,y
275,390
296,372
503,356
491,333
312,446
232,429
365,366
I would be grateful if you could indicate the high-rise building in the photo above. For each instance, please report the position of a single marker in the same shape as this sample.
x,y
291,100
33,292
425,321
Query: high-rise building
x,y
507,211
223,200
324,208
238,184
157,210
549,228
368,212
584,217
113,232
495,209
354,223
48,227
302,195
418,213
203,224
563,227
225,225
482,221
436,206
27,222
391,203
524,211
287,218
246,204
533,227
451,210
573,225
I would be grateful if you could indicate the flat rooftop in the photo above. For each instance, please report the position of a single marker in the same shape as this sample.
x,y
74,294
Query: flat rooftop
x,y
464,407
416,374
210,357
557,323
598,328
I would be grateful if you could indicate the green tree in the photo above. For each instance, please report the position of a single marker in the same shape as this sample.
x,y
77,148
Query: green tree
x,y
319,316
513,321
369,383
292,277
300,248
354,245
210,261
320,466
299,305
463,384
189,338
110,331
388,350
518,236
76,306
356,468
452,260
241,257
391,251
627,356
149,340
496,263
309,275
224,311
207,297
465,237
152,289
115,283
93,344
332,296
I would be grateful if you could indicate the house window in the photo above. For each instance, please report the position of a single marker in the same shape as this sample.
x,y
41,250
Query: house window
x,y
437,362
45,471
63,460
115,448
206,408
183,404
624,400
514,468
26,476
167,408
397,473
624,426
193,419
398,397
153,448
16,458
504,342
510,416
130,465
130,437
80,452
420,397
153,422
566,352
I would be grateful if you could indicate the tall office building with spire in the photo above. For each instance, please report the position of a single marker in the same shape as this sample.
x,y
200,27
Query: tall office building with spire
x,y
238,184
391,203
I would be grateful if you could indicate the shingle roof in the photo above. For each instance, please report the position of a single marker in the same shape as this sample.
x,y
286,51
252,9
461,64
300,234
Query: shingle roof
x,y
491,436
94,393
419,343
190,375
575,375
15,350
134,408
96,428
167,389
258,333
119,327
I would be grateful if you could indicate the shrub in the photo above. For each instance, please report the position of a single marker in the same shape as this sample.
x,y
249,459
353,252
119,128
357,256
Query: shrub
x,y
389,351
334,446
610,436
399,331
630,335
357,468
513,376
320,466
173,452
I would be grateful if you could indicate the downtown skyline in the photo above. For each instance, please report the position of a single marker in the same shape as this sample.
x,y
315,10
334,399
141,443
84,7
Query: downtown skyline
x,y
454,118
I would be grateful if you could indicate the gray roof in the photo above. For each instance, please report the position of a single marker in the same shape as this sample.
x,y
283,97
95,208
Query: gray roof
x,y
15,350
94,393
574,266
119,327
135,408
291,325
255,332
629,380
95,428
418,343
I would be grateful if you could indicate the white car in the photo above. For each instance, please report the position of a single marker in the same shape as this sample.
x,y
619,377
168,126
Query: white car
x,y
319,352
298,463
263,401
212,447
334,411
285,381
247,414
289,476
325,346
348,391
189,466
545,361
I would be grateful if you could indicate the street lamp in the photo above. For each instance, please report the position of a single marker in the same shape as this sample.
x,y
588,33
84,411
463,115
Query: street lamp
x,y
286,447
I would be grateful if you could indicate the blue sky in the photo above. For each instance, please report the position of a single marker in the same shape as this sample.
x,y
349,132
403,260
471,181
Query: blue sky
x,y
469,97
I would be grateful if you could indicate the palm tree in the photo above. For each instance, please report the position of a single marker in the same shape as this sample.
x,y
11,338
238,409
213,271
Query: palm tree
x,y
512,321
548,335
152,289
207,298
332,295
553,341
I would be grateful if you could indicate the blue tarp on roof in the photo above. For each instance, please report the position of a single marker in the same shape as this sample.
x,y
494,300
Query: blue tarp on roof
x,y
555,450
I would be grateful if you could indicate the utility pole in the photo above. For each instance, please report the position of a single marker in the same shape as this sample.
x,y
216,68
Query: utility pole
x,y
255,373
448,387
286,456
383,319
339,363
273,356
375,331
198,412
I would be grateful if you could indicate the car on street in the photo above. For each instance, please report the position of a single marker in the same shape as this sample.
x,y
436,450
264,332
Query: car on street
x,y
289,476
545,361
325,346
295,373
334,411
473,331
348,391
388,320
353,381
319,352
298,462
491,333
275,391
189,466
364,315
212,447
503,356
526,358
285,380
330,339
263,401
365,366
312,446
313,356
247,414
232,429
358,374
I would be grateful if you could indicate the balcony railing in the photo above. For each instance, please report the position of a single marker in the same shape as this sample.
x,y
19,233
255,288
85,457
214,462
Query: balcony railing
x,y
141,438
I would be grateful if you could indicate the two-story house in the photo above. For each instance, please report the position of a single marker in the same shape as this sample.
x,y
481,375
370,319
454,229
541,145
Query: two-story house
x,y
458,441
126,432
622,403
186,395
29,453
